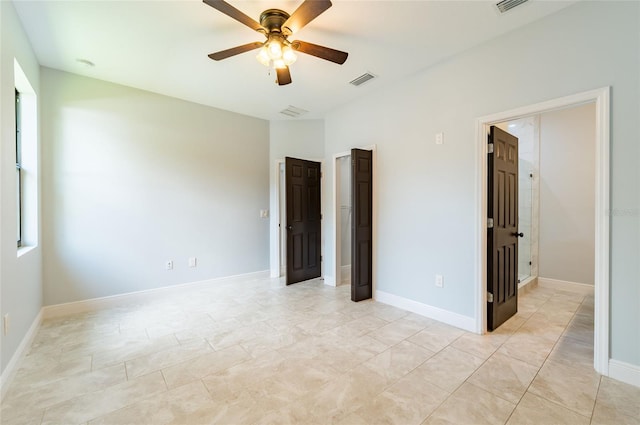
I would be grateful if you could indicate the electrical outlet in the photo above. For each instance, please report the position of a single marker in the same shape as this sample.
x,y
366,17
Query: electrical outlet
x,y
264,213
5,324
169,265
439,281
193,262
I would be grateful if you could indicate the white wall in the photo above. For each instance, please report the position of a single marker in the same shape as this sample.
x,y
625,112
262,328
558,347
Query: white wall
x,y
133,179
20,277
567,194
303,139
425,192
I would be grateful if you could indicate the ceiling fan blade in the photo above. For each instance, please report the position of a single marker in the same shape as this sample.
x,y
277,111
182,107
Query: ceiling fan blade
x,y
223,54
320,51
227,9
305,13
284,76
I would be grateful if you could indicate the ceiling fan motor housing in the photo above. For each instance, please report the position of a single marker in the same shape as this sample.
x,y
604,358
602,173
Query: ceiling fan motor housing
x,y
272,19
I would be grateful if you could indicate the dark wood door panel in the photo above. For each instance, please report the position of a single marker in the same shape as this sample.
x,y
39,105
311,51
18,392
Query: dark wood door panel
x,y
361,224
302,181
502,242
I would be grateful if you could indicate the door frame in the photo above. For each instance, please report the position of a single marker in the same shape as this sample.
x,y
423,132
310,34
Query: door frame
x,y
337,234
601,98
276,216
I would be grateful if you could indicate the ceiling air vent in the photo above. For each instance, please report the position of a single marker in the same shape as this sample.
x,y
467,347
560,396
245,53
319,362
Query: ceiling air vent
x,y
367,76
292,111
506,5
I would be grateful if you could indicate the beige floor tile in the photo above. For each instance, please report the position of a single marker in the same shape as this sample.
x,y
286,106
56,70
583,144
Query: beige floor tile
x,y
322,323
131,351
620,397
409,401
174,405
396,331
605,415
482,346
360,326
570,351
532,349
26,417
580,330
398,360
41,396
471,405
273,341
341,396
164,358
504,377
306,354
353,419
534,410
230,337
436,337
449,368
574,387
545,325
51,371
388,313
98,403
201,366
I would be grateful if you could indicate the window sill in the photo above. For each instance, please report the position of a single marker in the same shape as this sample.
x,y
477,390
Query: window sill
x,y
25,249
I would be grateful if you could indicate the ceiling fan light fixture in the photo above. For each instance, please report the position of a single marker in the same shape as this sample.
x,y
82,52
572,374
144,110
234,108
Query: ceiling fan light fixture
x,y
263,56
274,49
288,56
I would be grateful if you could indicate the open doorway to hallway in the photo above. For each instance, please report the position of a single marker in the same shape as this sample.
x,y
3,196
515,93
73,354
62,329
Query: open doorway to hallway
x,y
599,187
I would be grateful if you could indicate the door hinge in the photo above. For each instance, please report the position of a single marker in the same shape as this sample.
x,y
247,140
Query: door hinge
x,y
321,258
489,297
490,148
320,216
489,223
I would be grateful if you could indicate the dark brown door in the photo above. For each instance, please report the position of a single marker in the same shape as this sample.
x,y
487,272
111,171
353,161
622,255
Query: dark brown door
x,y
502,234
361,224
302,180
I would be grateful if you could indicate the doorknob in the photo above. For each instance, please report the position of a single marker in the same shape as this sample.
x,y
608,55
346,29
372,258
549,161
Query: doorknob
x,y
519,235
289,227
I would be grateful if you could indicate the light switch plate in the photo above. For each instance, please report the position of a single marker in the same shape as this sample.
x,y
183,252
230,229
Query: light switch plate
x,y
439,138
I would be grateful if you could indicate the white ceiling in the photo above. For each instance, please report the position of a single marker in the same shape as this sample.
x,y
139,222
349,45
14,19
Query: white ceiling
x,y
162,46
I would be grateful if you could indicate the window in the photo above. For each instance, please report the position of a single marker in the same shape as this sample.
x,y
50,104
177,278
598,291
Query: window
x,y
18,169
26,184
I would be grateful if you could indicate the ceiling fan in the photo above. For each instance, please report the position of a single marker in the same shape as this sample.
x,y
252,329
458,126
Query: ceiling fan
x,y
277,25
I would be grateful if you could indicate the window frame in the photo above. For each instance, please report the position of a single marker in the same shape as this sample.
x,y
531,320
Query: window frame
x,y
18,168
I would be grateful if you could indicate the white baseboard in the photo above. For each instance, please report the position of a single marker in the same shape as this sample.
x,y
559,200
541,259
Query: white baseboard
x,y
12,367
102,303
445,316
624,372
565,285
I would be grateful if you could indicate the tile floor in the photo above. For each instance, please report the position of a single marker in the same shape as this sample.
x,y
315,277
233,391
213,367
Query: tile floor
x,y
257,352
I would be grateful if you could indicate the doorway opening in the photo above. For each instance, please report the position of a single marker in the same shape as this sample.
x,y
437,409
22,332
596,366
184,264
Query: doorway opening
x,y
600,98
354,218
344,216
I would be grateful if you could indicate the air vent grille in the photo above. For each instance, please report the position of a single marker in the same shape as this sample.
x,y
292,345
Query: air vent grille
x,y
506,5
367,76
293,111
